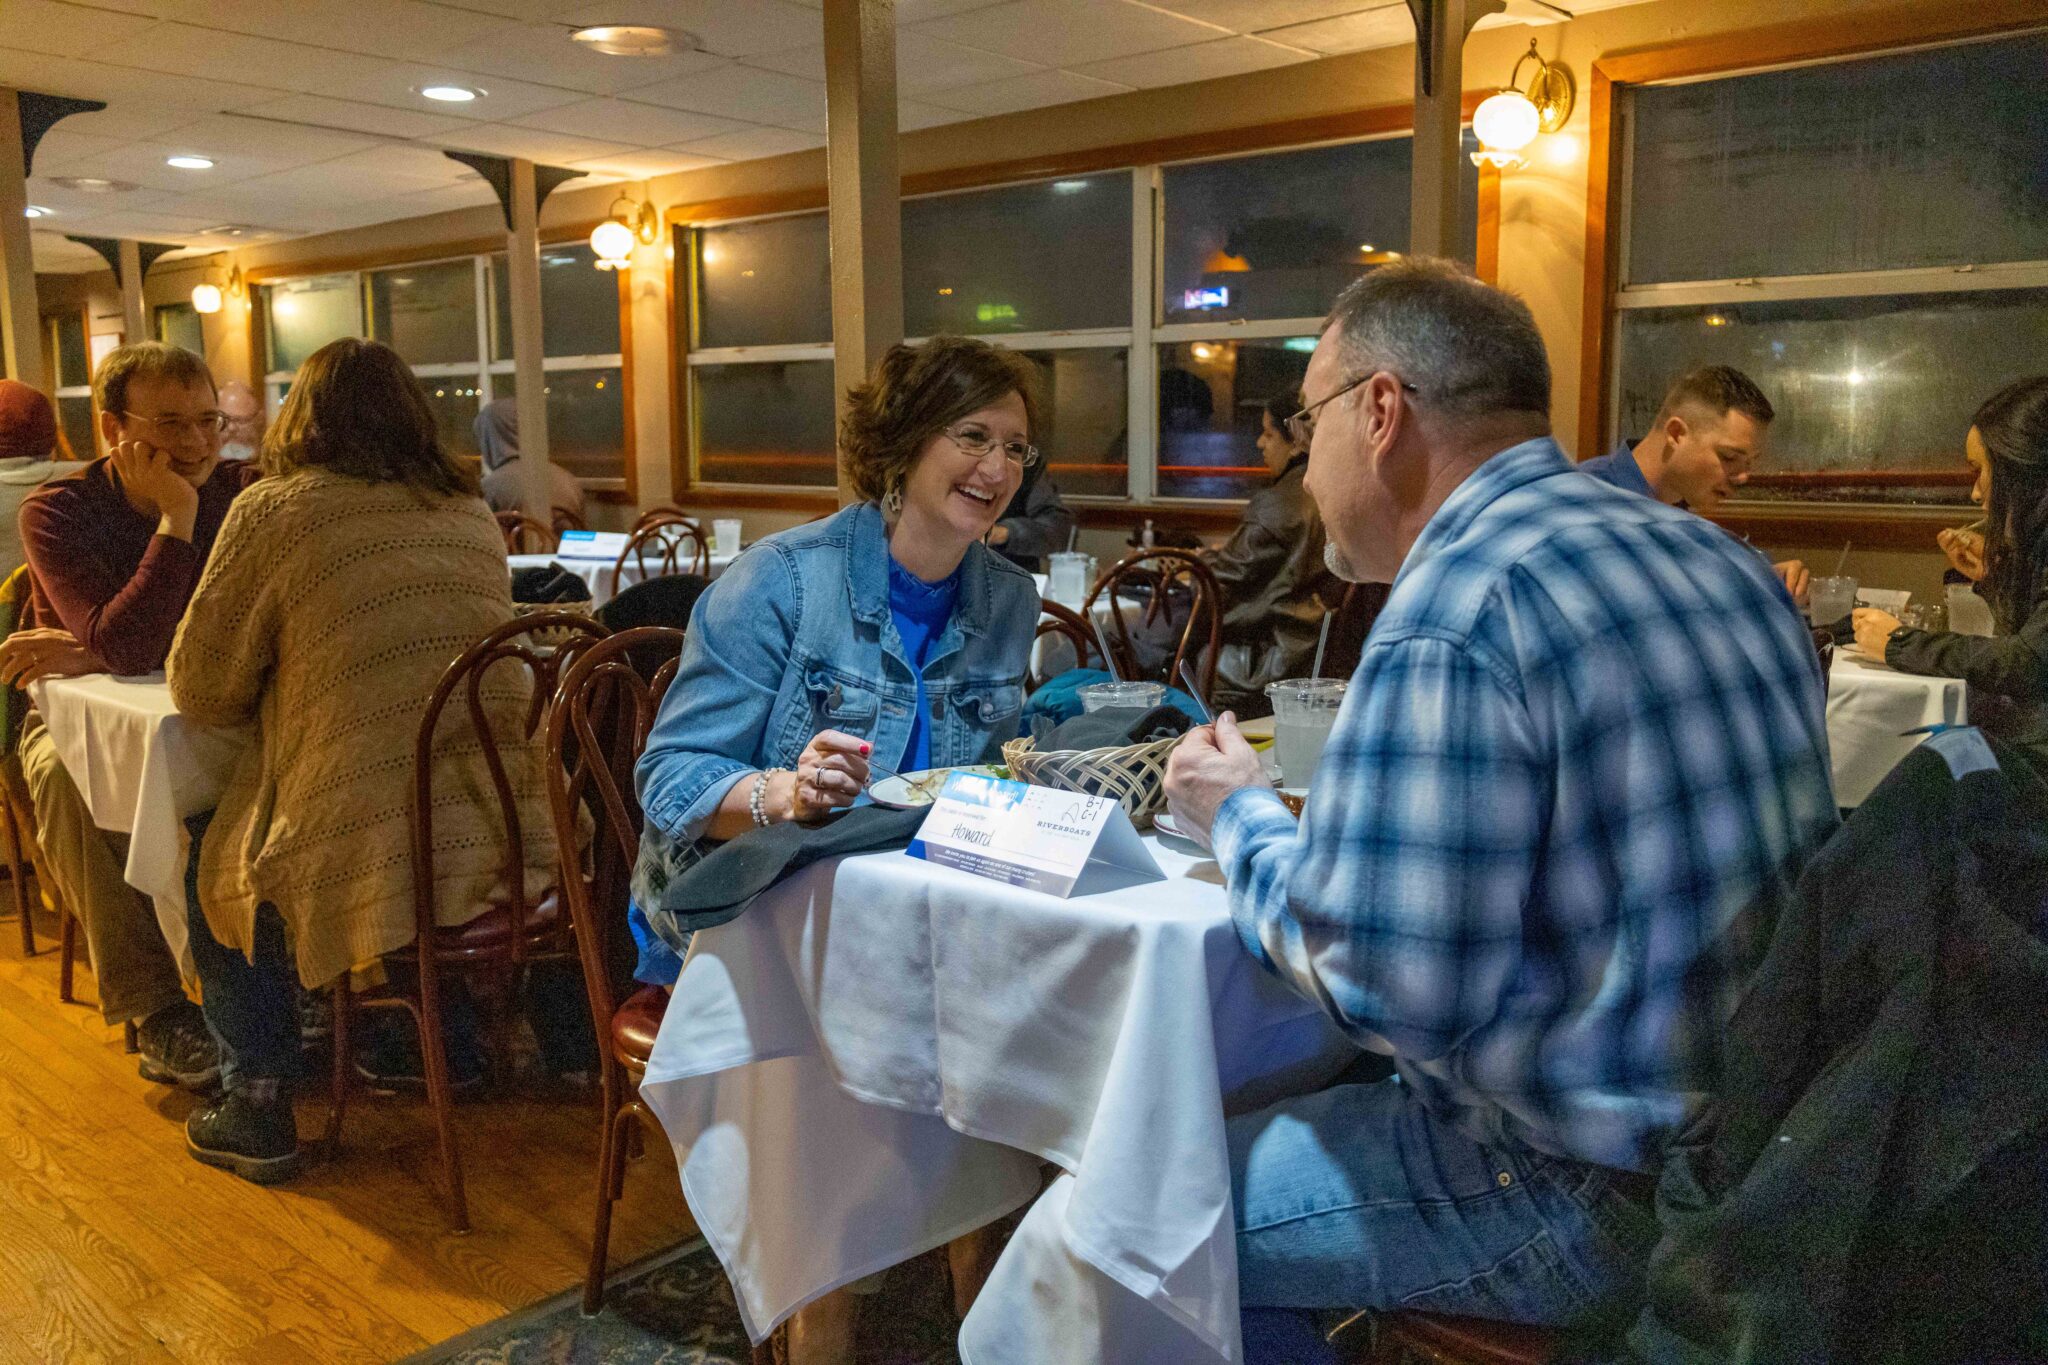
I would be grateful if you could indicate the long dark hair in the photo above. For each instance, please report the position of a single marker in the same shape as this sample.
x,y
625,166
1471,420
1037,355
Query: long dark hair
x,y
2013,425
355,408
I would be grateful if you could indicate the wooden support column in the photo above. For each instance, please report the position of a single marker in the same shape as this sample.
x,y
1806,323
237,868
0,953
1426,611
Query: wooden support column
x,y
135,319
522,257
20,318
1441,27
865,187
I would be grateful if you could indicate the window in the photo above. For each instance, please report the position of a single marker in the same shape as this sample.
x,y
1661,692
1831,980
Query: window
x,y
72,356
1864,240
1162,305
177,324
451,322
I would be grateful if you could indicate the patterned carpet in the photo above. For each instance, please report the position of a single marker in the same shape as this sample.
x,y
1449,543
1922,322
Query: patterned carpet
x,y
677,1309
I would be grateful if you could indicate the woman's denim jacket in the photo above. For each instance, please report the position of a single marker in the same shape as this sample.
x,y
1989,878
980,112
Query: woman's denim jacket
x,y
797,637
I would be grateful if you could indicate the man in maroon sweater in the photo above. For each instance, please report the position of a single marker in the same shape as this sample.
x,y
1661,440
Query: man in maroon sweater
x,y
114,552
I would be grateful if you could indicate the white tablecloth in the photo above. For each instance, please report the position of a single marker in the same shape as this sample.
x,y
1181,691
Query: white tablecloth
x,y
142,768
874,1058
598,572
1054,653
1870,709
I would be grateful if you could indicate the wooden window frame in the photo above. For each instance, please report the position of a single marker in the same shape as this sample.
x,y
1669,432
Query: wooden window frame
x,y
1833,37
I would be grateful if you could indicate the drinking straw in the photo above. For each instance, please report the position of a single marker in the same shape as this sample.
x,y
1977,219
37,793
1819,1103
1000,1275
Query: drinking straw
x,y
1843,562
1073,534
1187,679
1321,645
1102,643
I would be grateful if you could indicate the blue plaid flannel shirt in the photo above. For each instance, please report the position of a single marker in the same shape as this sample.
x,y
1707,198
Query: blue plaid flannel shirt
x,y
1576,774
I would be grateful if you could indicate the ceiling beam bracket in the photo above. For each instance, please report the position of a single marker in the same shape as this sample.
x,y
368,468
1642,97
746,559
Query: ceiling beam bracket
x,y
497,173
39,113
110,247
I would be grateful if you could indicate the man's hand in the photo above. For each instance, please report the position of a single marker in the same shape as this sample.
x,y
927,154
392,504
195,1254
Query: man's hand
x,y
1206,767
27,656
1965,551
1873,628
147,476
1796,579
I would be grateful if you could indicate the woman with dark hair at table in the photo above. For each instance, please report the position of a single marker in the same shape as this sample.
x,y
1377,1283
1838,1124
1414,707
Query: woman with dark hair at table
x,y
340,588
2007,445
886,631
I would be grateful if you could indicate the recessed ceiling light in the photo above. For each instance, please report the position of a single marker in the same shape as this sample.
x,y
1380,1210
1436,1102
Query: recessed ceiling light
x,y
35,211
92,184
632,40
190,163
451,94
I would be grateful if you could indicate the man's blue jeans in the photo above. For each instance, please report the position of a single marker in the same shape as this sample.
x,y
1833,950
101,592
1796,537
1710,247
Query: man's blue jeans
x,y
1356,1197
251,1003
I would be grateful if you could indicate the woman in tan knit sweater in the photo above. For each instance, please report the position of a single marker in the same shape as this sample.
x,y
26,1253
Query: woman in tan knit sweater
x,y
341,587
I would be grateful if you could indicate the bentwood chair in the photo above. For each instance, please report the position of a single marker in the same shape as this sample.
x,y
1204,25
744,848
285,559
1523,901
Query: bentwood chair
x,y
1158,577
524,535
1065,622
521,924
662,513
595,732
563,519
670,545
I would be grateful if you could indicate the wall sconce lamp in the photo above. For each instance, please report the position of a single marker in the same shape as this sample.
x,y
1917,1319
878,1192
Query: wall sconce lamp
x,y
1507,121
627,222
206,297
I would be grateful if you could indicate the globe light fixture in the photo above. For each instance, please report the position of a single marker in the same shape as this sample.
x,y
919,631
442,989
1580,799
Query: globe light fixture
x,y
1508,120
628,222
206,298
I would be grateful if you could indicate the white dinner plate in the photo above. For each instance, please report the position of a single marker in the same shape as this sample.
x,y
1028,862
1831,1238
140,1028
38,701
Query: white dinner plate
x,y
915,791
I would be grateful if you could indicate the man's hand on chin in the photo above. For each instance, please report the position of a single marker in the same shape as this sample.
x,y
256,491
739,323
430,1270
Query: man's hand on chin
x,y
1208,765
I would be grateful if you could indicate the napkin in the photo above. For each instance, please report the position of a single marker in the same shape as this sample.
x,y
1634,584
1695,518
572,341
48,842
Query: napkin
x,y
552,583
1110,728
718,886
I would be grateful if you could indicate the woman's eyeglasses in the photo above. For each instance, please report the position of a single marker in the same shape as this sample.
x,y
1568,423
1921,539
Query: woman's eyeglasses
x,y
176,428
978,442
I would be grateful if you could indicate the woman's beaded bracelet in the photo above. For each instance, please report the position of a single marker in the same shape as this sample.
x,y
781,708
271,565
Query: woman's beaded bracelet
x,y
755,798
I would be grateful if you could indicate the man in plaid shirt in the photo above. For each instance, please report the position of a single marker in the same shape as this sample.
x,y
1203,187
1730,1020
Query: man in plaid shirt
x,y
1577,771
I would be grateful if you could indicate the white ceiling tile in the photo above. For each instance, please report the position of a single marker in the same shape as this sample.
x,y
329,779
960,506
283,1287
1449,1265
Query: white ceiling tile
x,y
741,92
450,197
922,64
914,11
806,62
1067,32
729,28
128,88
380,120
1386,26
214,54
70,203
642,125
125,123
152,225
414,161
65,30
142,163
1256,16
55,254
403,29
1202,62
647,165
525,10
543,53
754,143
330,184
1026,92
226,134
910,116
61,147
398,85
549,149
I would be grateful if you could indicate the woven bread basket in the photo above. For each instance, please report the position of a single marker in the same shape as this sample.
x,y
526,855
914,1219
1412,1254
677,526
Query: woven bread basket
x,y
1134,774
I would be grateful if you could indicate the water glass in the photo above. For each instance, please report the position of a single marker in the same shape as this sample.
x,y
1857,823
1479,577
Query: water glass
x,y
1070,576
1828,600
725,536
1925,616
1304,711
1104,695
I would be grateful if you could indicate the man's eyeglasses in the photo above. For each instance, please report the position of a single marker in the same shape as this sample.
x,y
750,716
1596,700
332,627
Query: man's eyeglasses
x,y
1301,428
176,428
978,442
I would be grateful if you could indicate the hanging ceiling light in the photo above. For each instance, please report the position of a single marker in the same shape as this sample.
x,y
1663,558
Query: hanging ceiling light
x,y
632,40
1507,121
628,222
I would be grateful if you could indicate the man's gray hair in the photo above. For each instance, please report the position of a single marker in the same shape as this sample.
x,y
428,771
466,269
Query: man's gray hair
x,y
1469,349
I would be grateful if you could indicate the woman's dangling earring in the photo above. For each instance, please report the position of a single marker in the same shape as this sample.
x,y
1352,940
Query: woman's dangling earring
x,y
892,503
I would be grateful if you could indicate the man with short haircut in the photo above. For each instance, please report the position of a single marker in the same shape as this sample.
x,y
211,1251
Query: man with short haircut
x,y
1582,760
114,552
1707,436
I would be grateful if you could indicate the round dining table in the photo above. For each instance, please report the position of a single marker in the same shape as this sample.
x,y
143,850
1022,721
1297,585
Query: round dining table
x,y
598,573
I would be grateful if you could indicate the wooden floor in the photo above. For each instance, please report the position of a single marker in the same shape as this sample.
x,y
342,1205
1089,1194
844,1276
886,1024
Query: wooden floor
x,y
116,1246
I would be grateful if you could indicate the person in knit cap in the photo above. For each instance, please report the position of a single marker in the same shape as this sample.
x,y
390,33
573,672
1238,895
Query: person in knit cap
x,y
28,437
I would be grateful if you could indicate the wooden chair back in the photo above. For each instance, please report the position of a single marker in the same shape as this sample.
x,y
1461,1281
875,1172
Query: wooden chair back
x,y
671,546
1155,573
524,535
565,520
660,514
531,651
1065,622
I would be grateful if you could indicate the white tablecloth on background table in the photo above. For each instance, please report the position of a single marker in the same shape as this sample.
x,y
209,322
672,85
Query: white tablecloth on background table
x,y
1052,653
597,573
142,768
1870,709
875,1056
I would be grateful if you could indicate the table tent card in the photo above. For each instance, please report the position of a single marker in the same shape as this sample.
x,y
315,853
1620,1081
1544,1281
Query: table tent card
x,y
1063,843
605,545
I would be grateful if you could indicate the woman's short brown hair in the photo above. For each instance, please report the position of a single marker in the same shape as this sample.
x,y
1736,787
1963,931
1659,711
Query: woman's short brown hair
x,y
355,408
917,392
